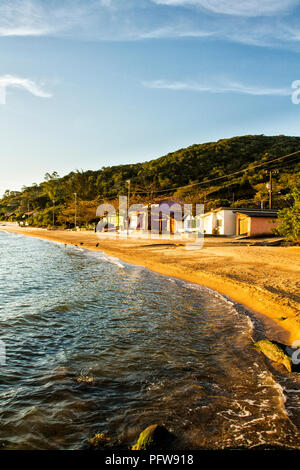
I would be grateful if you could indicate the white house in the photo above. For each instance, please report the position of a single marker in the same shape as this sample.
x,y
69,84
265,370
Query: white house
x,y
221,221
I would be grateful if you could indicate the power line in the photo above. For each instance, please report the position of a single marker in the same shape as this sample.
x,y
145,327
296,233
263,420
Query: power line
x,y
221,177
285,164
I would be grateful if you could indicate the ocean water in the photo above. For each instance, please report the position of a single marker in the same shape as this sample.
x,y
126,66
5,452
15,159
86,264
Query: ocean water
x,y
97,345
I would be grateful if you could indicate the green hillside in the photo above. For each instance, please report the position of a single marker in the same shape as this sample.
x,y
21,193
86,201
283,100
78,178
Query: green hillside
x,y
199,173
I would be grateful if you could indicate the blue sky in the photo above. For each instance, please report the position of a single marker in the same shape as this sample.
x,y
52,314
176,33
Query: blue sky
x,y
92,83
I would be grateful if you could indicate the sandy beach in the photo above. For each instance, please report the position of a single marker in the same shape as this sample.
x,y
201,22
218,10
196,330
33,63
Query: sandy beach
x,y
263,278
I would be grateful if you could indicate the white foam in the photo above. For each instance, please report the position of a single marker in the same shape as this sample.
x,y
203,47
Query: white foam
x,y
103,257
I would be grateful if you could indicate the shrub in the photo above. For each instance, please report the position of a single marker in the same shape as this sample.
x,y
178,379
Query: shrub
x,y
289,219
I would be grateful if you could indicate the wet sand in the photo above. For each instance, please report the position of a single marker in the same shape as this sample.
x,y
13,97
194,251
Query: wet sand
x,y
263,278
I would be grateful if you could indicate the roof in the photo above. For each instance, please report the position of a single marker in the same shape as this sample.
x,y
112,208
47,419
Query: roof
x,y
221,208
257,213
166,200
244,210
30,212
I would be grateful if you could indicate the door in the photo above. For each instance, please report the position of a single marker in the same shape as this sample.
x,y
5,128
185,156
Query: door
x,y
172,224
243,226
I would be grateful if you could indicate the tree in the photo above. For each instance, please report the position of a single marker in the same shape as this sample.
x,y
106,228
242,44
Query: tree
x,y
51,185
262,193
173,173
86,213
289,218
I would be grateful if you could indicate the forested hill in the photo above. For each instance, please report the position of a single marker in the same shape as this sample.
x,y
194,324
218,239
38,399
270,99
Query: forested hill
x,y
208,169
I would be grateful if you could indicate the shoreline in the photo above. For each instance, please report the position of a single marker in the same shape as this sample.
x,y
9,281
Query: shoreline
x,y
260,278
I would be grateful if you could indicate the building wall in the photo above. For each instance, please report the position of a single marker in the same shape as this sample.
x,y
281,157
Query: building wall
x,y
219,222
229,223
223,220
226,222
208,224
262,225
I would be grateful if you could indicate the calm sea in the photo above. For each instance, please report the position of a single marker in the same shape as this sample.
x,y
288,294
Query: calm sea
x,y
146,349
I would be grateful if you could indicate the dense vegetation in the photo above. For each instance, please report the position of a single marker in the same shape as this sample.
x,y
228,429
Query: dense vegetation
x,y
53,200
289,218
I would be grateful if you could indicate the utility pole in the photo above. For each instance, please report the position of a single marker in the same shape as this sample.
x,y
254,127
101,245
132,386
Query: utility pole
x,y
75,194
128,205
270,190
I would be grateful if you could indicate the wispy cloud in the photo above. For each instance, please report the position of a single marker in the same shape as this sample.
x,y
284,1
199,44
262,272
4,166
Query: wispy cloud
x,y
7,81
236,7
40,18
135,20
22,18
229,87
170,32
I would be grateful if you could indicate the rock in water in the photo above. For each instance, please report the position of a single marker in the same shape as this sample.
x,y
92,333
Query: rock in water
x,y
85,379
99,440
274,353
155,437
